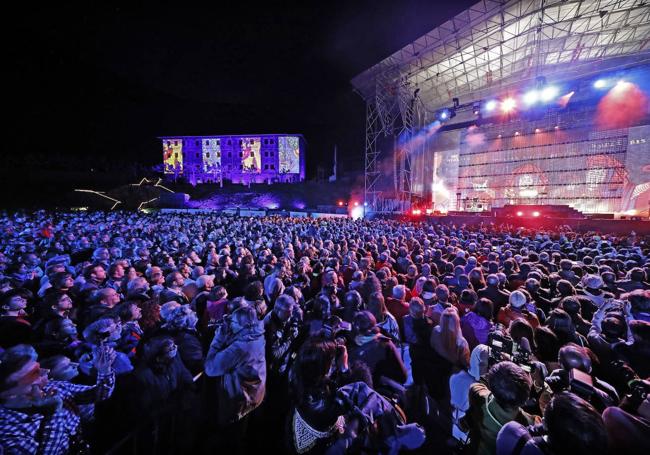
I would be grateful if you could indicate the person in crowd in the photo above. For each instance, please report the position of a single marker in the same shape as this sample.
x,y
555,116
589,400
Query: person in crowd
x,y
517,309
14,327
39,416
491,291
385,321
237,355
376,350
477,324
495,402
180,325
571,426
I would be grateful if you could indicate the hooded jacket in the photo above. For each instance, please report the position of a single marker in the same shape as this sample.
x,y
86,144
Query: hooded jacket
x,y
239,361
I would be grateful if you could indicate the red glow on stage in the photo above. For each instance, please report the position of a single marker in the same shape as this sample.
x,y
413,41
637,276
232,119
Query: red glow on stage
x,y
535,214
520,213
340,203
624,105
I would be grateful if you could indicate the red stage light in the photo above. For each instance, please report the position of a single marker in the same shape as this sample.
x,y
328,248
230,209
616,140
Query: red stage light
x,y
520,213
535,214
340,203
416,212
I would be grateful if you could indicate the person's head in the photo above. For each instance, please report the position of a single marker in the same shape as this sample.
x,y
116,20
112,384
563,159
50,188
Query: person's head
x,y
95,273
450,328
613,328
399,292
353,301
158,351
283,307
243,317
574,426
416,308
107,297
560,322
484,308
175,280
313,365
13,303
520,328
103,330
442,293
640,331
62,280
129,311
137,286
573,356
517,300
492,280
364,323
509,384
377,305
60,329
639,301
59,302
637,274
205,282
60,367
181,318
468,297
548,345
21,377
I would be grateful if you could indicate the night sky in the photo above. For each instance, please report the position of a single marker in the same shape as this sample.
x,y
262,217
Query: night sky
x,y
106,81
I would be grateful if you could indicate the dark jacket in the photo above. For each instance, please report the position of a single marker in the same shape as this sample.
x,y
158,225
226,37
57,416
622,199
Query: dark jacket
x,y
498,297
189,347
381,356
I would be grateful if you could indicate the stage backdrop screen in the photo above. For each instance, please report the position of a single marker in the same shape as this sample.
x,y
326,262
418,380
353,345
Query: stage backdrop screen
x,y
211,155
173,156
289,154
251,156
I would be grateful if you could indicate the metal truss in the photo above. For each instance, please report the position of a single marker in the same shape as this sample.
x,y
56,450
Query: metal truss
x,y
494,44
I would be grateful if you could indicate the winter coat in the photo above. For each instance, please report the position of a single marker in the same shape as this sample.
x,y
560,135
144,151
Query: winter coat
x,y
239,361
475,329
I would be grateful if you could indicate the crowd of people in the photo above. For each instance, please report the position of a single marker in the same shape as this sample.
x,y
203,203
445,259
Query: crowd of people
x,y
319,336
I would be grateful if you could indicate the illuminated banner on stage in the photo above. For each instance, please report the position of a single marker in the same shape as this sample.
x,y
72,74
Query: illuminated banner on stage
x,y
173,156
289,154
211,149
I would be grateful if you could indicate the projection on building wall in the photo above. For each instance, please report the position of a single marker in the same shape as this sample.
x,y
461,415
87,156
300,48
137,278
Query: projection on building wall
x,y
289,154
251,157
173,156
211,149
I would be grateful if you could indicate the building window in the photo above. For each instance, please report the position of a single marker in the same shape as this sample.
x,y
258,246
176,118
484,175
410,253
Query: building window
x,y
168,143
229,155
207,142
197,154
176,155
175,142
218,155
218,142
241,167
229,142
241,142
241,154
196,142
272,141
207,154
273,166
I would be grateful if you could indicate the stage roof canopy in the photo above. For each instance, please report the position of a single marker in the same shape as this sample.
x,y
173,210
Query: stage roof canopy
x,y
495,45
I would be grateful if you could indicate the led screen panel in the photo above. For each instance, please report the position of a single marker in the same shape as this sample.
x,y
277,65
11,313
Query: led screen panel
x,y
211,149
173,156
289,154
251,156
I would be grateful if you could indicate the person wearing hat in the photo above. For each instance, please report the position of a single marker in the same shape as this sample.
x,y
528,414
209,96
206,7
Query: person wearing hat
x,y
516,309
592,289
376,350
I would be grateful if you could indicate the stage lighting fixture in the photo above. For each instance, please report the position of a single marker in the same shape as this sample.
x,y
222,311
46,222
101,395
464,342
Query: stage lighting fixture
x,y
516,133
356,204
476,108
443,115
508,104
340,203
600,83
535,214
490,105
446,114
429,211
531,97
520,213
549,93
537,130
